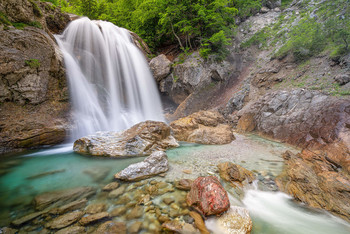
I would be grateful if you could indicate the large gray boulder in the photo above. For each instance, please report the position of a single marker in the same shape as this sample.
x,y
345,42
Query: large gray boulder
x,y
154,164
140,140
160,67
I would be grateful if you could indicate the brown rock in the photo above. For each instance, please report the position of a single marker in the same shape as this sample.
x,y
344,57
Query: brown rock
x,y
204,127
60,197
75,205
135,213
72,230
93,218
118,211
246,123
184,184
96,208
198,221
208,196
7,230
311,177
111,186
235,173
140,140
135,227
168,200
173,225
27,218
117,192
65,220
111,227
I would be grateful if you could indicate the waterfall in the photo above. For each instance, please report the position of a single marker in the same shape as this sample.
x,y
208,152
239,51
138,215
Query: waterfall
x,y
111,86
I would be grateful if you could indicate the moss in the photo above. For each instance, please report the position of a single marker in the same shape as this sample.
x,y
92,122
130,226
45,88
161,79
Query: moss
x,y
36,8
35,24
4,20
33,63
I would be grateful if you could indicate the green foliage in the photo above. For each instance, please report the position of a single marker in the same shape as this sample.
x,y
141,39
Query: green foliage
x,y
3,19
247,7
189,23
259,39
33,63
54,2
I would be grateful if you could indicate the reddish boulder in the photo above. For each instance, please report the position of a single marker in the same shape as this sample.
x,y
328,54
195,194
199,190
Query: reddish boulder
x,y
208,196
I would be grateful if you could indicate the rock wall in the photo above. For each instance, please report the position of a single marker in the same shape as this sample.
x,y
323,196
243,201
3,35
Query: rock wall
x,y
33,91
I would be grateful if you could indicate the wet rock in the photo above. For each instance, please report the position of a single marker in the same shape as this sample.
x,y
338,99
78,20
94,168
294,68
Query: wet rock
x,y
168,200
93,218
204,127
235,173
97,174
69,207
342,79
140,140
27,218
118,211
111,227
208,196
43,174
173,225
160,67
96,208
135,213
60,197
117,192
7,230
235,220
111,186
199,222
135,227
72,230
315,179
153,165
125,199
64,220
184,184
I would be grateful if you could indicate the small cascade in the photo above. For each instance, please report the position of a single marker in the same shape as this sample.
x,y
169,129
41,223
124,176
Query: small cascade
x,y
110,83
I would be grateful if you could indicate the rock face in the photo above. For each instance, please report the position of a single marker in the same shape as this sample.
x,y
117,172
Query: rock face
x,y
299,117
315,178
33,90
57,198
208,196
235,174
204,127
154,164
160,67
140,140
235,220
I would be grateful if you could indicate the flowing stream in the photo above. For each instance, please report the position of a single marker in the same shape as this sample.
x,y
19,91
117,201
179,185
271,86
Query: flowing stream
x,y
111,86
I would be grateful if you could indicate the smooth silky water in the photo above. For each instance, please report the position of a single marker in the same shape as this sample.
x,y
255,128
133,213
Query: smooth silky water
x,y
272,212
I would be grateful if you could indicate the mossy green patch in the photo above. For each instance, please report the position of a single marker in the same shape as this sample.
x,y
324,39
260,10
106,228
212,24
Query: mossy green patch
x,y
33,63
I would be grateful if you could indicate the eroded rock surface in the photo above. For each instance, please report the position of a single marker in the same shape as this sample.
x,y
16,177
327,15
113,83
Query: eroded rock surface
x,y
140,140
204,127
208,196
154,164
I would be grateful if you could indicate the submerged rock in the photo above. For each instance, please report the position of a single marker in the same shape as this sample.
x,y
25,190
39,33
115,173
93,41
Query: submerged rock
x,y
199,222
72,230
65,220
208,196
184,184
57,198
235,173
153,165
112,227
204,127
235,220
69,207
93,218
140,140
27,218
111,186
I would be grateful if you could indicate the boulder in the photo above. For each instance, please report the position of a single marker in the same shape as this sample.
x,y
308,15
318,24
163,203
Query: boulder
x,y
64,220
318,178
235,220
61,197
160,67
299,117
75,205
140,140
235,174
203,127
342,79
154,164
208,197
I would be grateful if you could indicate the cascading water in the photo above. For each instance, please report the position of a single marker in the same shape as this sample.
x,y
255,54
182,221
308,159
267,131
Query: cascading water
x,y
110,83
